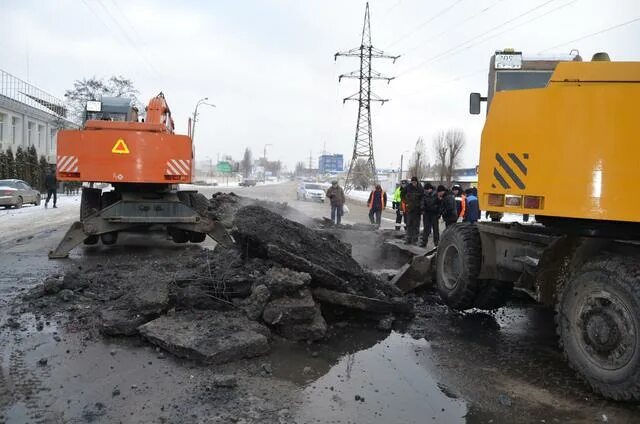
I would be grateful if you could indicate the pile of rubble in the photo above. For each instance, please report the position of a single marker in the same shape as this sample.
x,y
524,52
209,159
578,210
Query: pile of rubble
x,y
224,304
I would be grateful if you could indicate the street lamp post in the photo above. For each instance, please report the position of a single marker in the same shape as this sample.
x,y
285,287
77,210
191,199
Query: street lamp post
x,y
195,115
401,160
264,172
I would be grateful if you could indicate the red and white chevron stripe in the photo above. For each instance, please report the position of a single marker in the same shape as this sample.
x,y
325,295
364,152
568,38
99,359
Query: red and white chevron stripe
x,y
178,167
67,164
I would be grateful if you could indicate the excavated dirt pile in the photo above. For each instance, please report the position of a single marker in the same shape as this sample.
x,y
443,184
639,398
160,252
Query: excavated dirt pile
x,y
224,304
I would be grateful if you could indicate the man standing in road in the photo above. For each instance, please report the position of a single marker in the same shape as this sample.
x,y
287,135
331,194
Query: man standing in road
x,y
431,216
336,197
51,184
472,211
448,205
399,205
377,202
413,198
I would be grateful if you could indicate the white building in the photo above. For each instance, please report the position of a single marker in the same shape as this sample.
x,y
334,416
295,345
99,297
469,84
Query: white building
x,y
29,117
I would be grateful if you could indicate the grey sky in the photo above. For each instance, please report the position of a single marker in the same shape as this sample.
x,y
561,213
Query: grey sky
x,y
268,65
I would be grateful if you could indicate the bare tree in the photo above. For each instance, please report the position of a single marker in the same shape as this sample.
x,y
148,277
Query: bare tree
x,y
455,141
246,164
299,169
94,88
440,150
362,174
418,166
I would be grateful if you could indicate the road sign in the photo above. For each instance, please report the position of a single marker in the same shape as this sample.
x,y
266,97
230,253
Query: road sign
x,y
224,167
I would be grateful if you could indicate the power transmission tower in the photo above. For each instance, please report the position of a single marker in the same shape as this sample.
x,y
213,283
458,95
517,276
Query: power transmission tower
x,y
363,146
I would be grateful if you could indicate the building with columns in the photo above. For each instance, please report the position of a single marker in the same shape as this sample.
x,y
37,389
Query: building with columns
x,y
30,116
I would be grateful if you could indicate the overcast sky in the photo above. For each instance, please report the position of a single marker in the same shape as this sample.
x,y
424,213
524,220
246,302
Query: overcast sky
x,y
269,68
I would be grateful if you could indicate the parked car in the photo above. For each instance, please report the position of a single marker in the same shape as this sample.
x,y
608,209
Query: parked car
x,y
16,193
311,191
247,183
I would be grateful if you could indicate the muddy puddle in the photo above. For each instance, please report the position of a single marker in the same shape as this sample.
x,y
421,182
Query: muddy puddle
x,y
369,376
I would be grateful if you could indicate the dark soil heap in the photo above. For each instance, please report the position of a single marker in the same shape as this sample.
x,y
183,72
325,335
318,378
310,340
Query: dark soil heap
x,y
274,280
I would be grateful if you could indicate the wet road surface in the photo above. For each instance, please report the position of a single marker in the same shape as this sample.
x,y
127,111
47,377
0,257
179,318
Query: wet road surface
x,y
443,367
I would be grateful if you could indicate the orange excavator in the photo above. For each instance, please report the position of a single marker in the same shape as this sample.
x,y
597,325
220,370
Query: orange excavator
x,y
143,162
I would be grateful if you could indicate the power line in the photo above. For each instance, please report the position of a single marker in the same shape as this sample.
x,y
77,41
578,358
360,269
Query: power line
x,y
470,42
593,34
131,41
99,18
452,27
431,19
443,82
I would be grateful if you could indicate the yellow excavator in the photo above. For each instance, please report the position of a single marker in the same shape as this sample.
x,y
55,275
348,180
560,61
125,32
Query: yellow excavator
x,y
561,143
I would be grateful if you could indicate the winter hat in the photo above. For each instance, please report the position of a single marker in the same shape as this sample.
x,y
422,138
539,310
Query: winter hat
x,y
428,186
441,188
414,179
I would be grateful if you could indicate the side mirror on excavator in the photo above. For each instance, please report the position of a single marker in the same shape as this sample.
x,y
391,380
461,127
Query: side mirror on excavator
x,y
474,103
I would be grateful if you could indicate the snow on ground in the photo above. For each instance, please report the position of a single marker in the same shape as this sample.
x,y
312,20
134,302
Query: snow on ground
x,y
229,184
29,220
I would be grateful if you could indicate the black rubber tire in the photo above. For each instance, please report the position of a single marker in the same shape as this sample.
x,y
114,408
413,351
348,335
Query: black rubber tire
x,y
90,202
609,287
458,265
178,236
199,203
91,240
195,237
18,205
109,239
109,198
493,294
185,197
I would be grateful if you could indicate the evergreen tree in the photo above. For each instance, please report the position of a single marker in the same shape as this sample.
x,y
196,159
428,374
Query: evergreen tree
x,y
21,163
43,168
32,166
11,164
3,165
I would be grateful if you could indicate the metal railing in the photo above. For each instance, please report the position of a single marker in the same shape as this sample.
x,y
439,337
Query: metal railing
x,y
21,91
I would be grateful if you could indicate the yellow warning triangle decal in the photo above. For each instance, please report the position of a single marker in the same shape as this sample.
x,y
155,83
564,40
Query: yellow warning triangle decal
x,y
120,147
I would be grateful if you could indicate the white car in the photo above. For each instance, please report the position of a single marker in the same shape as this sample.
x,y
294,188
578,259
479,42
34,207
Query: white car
x,y
311,191
16,193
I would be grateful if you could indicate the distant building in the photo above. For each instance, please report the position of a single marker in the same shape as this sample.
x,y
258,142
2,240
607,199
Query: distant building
x,y
30,117
330,163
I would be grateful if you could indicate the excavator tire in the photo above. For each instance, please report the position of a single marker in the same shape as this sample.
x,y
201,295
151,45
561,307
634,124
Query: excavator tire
x,y
458,265
90,202
109,198
185,197
195,237
598,323
199,203
493,294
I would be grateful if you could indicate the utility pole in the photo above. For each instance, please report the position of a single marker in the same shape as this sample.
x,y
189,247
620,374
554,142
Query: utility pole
x,y
195,115
264,171
310,159
363,145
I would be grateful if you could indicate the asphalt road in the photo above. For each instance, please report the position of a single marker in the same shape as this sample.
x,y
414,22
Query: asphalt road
x,y
442,367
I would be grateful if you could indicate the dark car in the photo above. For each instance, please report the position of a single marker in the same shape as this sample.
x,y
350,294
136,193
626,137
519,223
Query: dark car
x,y
16,193
247,183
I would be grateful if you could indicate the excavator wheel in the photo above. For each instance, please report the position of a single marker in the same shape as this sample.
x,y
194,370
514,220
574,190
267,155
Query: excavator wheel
x,y
90,202
109,238
199,203
195,237
178,236
598,322
458,265
91,240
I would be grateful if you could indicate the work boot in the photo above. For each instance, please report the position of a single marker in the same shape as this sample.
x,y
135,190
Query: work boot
x,y
46,205
397,228
55,207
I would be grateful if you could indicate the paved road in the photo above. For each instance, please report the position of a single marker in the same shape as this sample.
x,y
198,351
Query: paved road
x,y
475,367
